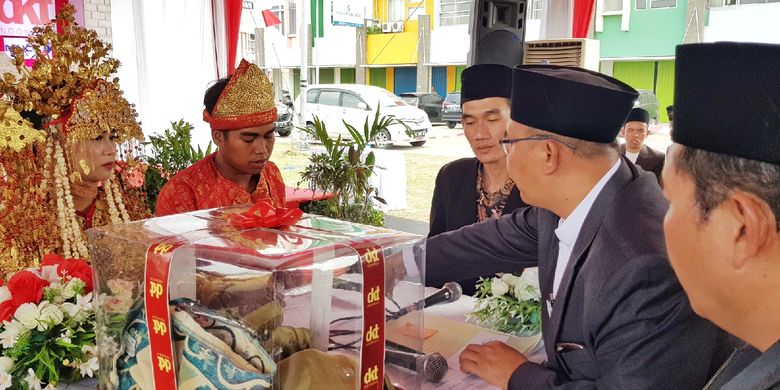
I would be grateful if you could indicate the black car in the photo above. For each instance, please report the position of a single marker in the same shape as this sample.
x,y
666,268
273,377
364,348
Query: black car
x,y
450,109
428,102
284,123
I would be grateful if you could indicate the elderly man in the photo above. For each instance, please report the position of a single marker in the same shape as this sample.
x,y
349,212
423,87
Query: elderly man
x,y
614,315
723,185
635,131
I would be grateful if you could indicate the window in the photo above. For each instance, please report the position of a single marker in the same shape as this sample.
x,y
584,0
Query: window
x,y
616,5
720,3
536,9
395,10
643,4
293,18
414,10
278,10
311,95
247,45
454,12
330,98
349,100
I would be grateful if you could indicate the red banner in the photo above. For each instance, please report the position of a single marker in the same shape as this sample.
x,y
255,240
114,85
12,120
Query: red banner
x,y
158,319
372,353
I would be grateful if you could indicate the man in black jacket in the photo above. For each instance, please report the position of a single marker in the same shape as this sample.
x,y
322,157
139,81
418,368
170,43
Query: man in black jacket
x,y
635,130
613,313
723,185
474,189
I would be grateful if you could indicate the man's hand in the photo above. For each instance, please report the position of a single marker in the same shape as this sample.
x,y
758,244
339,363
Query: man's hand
x,y
395,271
493,361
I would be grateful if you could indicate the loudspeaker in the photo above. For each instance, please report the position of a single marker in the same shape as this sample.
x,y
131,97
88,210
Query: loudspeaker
x,y
497,32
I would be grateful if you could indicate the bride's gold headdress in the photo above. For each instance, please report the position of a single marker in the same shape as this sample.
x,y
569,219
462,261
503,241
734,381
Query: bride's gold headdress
x,y
69,96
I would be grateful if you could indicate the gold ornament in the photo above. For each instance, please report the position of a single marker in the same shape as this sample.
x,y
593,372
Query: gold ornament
x,y
101,108
17,132
84,167
246,101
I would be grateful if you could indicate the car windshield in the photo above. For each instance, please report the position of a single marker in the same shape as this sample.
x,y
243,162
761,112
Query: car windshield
x,y
453,98
409,99
387,99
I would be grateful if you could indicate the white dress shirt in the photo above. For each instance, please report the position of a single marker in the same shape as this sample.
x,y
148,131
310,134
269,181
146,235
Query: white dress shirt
x,y
632,156
569,229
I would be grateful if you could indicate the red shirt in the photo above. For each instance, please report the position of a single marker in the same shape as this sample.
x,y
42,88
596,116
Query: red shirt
x,y
201,187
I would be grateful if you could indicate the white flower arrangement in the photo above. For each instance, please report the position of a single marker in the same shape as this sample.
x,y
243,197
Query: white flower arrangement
x,y
509,303
47,332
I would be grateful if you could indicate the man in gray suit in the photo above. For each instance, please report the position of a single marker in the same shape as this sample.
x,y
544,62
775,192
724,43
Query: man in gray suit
x,y
614,315
723,184
635,131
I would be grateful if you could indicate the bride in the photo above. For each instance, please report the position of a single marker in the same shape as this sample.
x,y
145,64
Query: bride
x,y
61,124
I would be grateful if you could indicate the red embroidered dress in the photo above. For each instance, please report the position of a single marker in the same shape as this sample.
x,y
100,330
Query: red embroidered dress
x,y
201,187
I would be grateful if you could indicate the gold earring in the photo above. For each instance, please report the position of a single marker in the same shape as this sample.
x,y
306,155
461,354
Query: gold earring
x,y
84,166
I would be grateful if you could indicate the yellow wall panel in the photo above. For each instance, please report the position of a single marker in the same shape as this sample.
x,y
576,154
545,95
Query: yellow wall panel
x,y
390,79
450,79
389,49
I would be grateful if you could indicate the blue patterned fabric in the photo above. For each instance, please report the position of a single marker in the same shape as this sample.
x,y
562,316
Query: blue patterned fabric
x,y
211,352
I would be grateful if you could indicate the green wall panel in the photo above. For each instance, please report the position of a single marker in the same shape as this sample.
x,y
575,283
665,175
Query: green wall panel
x,y
296,82
347,75
651,33
636,74
458,70
327,76
664,88
378,77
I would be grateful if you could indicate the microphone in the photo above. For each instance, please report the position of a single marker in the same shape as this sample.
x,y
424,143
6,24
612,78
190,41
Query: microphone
x,y
451,292
433,367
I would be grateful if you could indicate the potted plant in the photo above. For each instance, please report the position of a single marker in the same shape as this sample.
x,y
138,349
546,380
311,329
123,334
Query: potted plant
x,y
342,171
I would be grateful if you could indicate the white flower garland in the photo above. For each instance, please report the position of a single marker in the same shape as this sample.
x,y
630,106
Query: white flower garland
x,y
112,209
70,230
119,201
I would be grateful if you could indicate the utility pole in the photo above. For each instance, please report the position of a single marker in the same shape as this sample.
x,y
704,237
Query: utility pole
x,y
304,39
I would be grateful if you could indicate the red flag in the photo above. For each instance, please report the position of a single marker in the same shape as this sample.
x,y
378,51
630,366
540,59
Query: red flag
x,y
270,18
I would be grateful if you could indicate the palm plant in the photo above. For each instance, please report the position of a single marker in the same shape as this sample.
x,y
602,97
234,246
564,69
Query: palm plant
x,y
170,153
340,170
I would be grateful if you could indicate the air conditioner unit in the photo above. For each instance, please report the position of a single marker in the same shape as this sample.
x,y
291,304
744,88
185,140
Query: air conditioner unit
x,y
580,52
387,27
398,26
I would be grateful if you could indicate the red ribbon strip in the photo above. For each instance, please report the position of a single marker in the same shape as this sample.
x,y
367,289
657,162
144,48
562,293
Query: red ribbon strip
x,y
265,215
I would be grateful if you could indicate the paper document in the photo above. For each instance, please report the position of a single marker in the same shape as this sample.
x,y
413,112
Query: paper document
x,y
457,380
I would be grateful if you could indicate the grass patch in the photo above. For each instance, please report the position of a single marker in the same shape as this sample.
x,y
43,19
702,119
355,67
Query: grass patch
x,y
421,171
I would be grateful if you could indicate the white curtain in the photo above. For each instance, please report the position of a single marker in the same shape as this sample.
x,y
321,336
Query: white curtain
x,y
557,19
168,60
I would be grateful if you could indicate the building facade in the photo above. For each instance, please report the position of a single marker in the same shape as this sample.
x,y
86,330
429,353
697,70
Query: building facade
x,y
638,40
400,52
335,45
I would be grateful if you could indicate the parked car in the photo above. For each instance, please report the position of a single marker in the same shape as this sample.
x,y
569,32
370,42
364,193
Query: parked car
x,y
450,109
428,102
649,102
284,122
353,103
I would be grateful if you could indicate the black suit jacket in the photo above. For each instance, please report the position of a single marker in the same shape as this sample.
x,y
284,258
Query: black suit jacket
x,y
649,159
750,369
619,297
454,204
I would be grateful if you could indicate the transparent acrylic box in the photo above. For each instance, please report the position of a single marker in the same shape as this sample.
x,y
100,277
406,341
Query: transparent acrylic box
x,y
289,307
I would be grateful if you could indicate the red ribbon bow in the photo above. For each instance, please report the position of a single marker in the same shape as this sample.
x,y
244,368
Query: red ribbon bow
x,y
265,215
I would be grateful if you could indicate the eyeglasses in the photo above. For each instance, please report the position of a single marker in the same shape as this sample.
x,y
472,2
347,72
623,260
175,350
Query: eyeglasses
x,y
506,142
